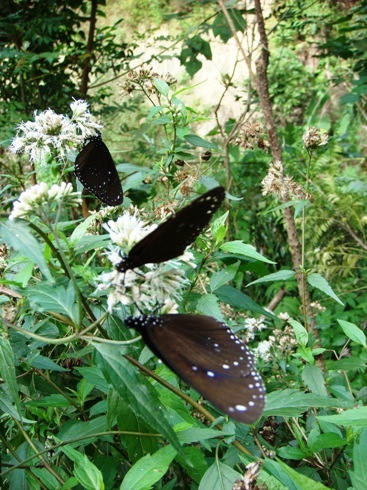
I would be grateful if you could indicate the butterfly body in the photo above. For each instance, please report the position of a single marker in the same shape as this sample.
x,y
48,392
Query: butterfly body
x,y
96,170
170,239
208,356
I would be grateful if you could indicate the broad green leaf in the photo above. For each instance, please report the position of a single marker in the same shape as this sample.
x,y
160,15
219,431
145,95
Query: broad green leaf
x,y
43,474
282,275
314,380
7,406
327,441
223,276
353,332
292,403
300,332
301,482
346,363
218,228
208,305
17,235
161,86
82,229
237,299
24,275
149,470
54,400
193,461
82,433
240,248
56,299
319,282
291,453
219,477
162,120
358,475
196,141
152,112
357,417
136,390
7,371
87,474
195,435
42,362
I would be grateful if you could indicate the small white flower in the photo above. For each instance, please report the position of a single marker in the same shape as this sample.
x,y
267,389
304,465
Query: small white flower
x,y
36,197
263,350
55,135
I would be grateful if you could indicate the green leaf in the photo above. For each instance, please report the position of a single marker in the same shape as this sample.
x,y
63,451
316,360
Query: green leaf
x,y
189,436
301,482
300,332
223,276
7,371
237,299
82,229
292,403
208,305
56,299
87,474
327,441
17,235
219,477
54,400
356,417
358,475
136,390
79,432
319,282
282,275
149,470
218,228
238,247
196,141
345,364
291,453
353,332
42,362
161,86
314,380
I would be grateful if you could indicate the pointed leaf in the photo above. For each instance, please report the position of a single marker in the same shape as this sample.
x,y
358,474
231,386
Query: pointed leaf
x,y
137,391
353,332
282,275
17,235
319,282
149,470
238,247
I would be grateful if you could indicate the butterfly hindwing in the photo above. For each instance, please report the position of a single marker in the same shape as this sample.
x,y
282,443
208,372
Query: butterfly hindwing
x,y
208,356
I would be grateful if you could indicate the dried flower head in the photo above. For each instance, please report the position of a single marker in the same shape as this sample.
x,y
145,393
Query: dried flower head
x,y
276,183
41,199
251,135
143,80
55,135
313,138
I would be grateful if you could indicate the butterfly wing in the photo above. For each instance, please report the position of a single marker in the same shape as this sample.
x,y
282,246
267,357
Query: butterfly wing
x,y
171,238
96,170
208,356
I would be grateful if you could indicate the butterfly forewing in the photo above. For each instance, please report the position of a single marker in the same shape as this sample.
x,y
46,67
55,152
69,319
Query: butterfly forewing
x,y
170,239
96,170
209,357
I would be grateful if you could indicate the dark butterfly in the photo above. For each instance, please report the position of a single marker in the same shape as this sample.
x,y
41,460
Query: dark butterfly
x,y
96,170
208,356
171,238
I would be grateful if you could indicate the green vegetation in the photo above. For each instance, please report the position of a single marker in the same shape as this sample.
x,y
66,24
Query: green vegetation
x,y
83,402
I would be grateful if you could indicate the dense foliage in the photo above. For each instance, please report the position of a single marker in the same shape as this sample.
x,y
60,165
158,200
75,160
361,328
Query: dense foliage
x,y
83,402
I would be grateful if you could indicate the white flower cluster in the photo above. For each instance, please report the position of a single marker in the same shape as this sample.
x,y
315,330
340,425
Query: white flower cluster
x,y
35,198
147,287
55,134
